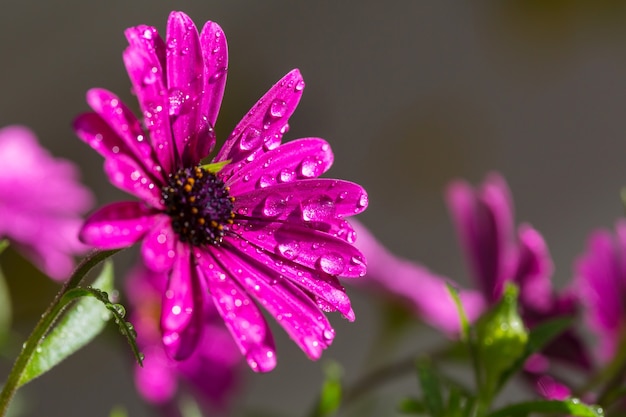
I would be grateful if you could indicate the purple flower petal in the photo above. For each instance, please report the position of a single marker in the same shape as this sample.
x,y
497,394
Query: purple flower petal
x,y
215,57
147,39
319,284
149,84
117,225
182,313
295,160
305,201
123,122
126,174
292,308
95,132
425,291
307,247
262,128
534,270
241,315
185,84
158,249
484,222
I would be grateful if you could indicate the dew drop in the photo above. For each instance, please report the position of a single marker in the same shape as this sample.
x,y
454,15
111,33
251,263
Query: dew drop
x,y
177,100
299,85
363,201
310,167
317,209
286,175
289,250
329,334
250,139
278,108
265,181
273,205
332,263
119,309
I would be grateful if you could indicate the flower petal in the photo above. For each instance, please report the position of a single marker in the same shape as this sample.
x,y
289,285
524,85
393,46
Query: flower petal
x,y
147,39
290,306
295,160
122,121
484,223
158,248
241,315
319,284
125,173
262,128
534,270
309,202
146,75
182,313
117,225
215,57
305,246
185,83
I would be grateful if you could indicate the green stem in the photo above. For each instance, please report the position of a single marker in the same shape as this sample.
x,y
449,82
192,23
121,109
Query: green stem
x,y
42,327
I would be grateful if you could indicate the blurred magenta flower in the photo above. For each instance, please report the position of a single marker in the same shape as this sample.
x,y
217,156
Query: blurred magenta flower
x,y
41,202
484,221
424,292
263,229
601,285
210,373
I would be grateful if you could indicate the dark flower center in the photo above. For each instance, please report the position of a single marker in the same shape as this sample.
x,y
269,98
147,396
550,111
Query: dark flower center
x,y
199,205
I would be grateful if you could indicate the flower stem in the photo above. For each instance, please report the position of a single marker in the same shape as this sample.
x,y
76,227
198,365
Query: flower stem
x,y
42,327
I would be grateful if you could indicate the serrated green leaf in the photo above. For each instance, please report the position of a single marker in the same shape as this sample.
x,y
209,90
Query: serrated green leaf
x,y
572,407
413,406
432,396
80,324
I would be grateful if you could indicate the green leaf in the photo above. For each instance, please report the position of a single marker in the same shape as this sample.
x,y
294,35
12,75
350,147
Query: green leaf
x,y
330,397
412,406
501,340
572,407
215,167
4,243
77,327
118,411
431,388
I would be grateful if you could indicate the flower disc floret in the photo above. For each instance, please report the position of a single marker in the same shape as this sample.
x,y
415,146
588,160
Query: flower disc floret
x,y
199,205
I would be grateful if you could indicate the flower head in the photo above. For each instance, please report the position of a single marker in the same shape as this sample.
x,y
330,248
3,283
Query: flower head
x,y
41,202
601,285
262,229
496,255
210,372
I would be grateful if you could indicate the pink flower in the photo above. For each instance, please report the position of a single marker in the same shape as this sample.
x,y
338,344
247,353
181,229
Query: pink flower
x,y
497,254
263,230
41,202
210,373
601,285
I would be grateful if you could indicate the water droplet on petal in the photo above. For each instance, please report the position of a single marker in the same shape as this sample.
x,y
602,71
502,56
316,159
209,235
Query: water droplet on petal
x,y
329,334
278,108
265,181
310,167
273,205
286,175
332,263
363,201
250,139
177,100
317,209
300,85
289,250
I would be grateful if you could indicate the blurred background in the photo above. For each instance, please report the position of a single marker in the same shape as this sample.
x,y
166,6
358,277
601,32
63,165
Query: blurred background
x,y
409,94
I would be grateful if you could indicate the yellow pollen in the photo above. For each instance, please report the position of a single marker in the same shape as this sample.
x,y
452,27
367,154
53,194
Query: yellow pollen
x,y
201,221
213,223
194,210
187,188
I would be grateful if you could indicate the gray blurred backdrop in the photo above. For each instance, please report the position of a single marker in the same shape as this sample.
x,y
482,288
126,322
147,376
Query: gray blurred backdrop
x,y
409,93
